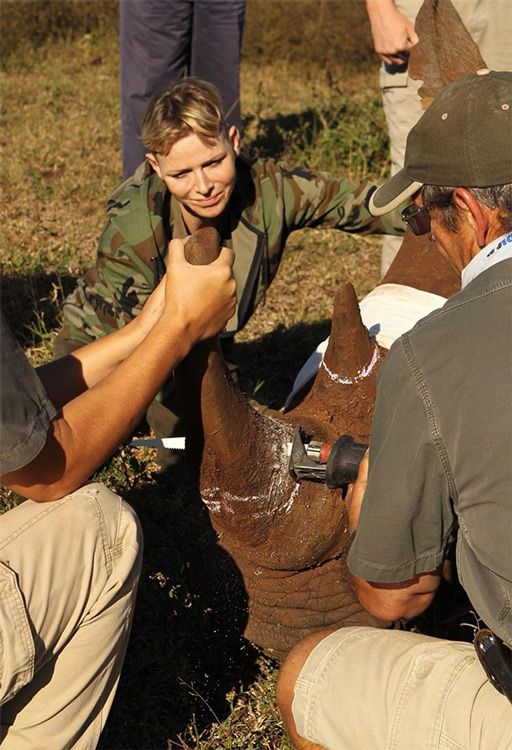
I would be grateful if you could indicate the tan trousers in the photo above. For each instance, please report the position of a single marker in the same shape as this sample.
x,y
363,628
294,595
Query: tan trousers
x,y
68,577
490,24
371,689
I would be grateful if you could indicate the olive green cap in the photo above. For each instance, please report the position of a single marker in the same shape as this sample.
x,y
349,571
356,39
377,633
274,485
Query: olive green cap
x,y
463,139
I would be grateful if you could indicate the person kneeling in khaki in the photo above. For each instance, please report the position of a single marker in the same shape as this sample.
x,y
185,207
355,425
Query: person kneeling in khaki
x,y
70,555
440,469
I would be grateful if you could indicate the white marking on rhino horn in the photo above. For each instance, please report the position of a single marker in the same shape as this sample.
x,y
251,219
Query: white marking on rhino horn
x,y
351,353
363,373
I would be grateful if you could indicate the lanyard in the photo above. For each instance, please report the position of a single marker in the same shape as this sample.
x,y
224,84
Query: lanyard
x,y
496,251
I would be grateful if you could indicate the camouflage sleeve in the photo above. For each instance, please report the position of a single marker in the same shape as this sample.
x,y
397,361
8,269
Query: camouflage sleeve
x,y
317,199
108,295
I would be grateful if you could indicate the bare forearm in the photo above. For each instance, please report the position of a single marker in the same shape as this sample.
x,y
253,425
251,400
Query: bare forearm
x,y
391,601
67,377
379,6
119,400
119,375
93,425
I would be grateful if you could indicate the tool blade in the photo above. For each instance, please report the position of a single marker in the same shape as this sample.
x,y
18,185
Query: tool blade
x,y
172,443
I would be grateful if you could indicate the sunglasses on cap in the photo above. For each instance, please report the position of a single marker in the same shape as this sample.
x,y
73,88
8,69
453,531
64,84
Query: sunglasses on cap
x,y
417,219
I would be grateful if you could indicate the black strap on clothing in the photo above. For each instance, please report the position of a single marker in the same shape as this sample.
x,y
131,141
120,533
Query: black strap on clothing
x,y
496,659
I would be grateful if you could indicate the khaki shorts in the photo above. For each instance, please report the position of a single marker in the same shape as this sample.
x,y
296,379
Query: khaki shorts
x,y
367,689
68,578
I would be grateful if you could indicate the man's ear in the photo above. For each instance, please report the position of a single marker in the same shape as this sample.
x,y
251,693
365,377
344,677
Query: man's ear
x,y
154,163
476,214
234,138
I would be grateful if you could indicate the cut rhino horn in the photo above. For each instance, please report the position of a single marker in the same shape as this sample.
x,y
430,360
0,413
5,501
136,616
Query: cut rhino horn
x,y
203,247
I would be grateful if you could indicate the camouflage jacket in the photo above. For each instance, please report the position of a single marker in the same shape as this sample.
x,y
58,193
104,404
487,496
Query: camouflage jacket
x,y
269,201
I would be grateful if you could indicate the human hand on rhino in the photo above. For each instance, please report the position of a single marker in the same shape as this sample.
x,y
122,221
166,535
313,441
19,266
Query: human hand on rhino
x,y
202,298
355,494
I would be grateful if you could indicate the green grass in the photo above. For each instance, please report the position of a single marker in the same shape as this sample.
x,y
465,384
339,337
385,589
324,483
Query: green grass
x,y
309,96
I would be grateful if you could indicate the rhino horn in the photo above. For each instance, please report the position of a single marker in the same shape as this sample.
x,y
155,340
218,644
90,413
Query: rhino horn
x,y
350,350
342,395
216,413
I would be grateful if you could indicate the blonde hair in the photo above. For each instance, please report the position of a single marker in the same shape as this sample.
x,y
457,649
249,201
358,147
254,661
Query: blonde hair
x,y
189,106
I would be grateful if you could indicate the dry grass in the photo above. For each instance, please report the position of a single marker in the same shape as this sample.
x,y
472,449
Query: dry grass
x,y
309,95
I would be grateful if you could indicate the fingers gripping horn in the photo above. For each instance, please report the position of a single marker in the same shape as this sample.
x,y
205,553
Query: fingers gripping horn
x,y
216,414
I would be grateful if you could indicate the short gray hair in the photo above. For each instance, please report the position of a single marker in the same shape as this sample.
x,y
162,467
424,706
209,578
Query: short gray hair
x,y
497,196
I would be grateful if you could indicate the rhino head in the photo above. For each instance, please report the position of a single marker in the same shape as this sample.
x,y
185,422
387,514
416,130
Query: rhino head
x,y
289,541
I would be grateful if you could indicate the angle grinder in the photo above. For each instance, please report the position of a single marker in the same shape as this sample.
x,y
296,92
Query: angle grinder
x,y
335,465
310,460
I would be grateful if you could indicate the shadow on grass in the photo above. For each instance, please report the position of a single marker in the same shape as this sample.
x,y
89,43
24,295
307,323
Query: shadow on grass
x,y
268,365
32,303
274,134
341,135
186,650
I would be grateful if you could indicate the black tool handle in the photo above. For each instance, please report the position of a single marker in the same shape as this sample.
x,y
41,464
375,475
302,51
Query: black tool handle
x,y
343,462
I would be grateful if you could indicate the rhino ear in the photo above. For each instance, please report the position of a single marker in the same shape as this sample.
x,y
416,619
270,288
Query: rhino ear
x,y
350,349
445,51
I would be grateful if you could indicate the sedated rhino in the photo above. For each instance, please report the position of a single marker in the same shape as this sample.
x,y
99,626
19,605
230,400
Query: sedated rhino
x,y
289,540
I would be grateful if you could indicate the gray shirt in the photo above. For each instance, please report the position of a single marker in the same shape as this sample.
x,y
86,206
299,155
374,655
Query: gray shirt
x,y
25,409
441,451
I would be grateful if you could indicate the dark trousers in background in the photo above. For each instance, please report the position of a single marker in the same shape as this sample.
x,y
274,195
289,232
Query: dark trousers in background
x,y
160,41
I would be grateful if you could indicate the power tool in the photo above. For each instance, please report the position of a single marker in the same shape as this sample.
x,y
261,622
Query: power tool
x,y
335,465
310,460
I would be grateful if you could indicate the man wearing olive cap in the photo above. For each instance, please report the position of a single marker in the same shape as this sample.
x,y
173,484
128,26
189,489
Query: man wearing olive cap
x,y
439,470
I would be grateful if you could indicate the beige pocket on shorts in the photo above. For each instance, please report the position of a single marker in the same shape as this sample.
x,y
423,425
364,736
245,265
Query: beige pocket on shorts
x,y
16,643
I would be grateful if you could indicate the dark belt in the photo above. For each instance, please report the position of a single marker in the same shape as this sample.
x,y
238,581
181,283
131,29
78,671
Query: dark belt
x,y
496,659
